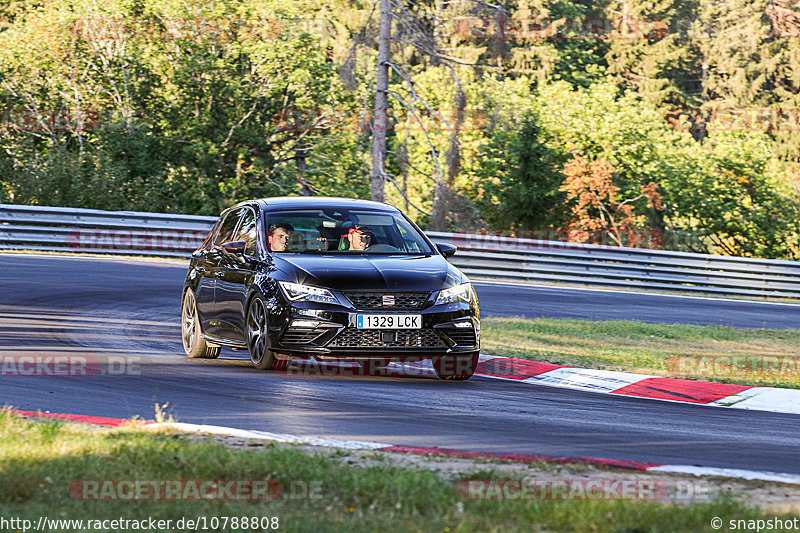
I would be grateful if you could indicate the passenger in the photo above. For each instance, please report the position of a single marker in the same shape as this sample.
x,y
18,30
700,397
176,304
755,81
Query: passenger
x,y
278,236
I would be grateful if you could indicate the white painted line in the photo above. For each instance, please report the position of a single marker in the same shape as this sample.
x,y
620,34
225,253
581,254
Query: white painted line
x,y
770,399
586,379
277,437
727,472
733,399
362,445
764,399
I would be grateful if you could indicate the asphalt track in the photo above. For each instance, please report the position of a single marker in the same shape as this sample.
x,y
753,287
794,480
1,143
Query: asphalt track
x,y
124,314
507,299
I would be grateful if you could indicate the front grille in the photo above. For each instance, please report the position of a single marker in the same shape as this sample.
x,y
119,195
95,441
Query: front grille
x,y
403,338
461,336
374,300
300,336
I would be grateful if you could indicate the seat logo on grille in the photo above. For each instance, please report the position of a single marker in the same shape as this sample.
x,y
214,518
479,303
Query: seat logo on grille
x,y
388,300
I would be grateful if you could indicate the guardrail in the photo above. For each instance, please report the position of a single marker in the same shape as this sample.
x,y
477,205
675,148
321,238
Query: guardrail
x,y
25,227
479,256
532,260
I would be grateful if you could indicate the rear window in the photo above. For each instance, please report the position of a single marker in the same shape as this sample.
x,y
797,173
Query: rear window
x,y
343,231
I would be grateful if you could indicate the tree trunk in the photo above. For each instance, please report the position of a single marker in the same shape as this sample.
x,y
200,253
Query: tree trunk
x,y
380,118
300,160
444,189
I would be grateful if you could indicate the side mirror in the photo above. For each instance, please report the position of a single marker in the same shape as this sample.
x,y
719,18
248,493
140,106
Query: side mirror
x,y
235,247
447,250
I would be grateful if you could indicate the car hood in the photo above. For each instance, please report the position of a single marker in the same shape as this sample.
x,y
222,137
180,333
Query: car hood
x,y
370,272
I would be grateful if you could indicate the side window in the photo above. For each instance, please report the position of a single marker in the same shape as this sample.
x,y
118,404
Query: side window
x,y
248,231
227,228
409,243
207,241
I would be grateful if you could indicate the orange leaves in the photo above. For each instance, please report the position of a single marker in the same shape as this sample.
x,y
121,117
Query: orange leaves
x,y
598,207
653,197
591,184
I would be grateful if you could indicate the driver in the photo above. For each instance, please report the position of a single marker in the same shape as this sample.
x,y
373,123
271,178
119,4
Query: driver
x,y
278,236
360,237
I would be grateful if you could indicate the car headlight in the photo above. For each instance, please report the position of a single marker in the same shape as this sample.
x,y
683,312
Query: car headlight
x,y
459,293
296,292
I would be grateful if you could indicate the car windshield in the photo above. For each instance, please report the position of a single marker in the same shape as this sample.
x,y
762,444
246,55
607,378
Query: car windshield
x,y
343,231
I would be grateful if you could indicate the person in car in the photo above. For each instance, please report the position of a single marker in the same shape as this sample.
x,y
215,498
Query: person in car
x,y
278,236
359,237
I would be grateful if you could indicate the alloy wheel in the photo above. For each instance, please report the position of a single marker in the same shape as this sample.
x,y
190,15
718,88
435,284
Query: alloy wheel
x,y
189,322
257,331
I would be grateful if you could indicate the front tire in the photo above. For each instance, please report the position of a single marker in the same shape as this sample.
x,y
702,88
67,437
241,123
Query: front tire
x,y
194,344
456,367
258,337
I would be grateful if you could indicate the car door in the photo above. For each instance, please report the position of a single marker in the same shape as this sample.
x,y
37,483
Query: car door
x,y
233,278
212,323
204,267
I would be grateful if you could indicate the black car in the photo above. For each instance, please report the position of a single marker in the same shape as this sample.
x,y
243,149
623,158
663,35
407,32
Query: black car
x,y
329,279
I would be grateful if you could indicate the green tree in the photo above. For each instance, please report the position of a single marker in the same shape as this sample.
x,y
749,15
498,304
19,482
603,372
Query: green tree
x,y
650,53
732,200
170,106
521,189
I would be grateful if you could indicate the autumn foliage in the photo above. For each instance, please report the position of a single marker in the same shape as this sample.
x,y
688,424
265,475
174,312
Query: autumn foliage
x,y
599,209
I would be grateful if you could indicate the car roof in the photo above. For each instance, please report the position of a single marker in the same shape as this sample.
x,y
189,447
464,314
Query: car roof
x,y
290,202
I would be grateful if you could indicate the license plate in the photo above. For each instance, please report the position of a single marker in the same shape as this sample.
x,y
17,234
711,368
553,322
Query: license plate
x,y
389,321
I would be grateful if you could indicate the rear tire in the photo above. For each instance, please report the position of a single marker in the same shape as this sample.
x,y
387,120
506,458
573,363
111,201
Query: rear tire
x,y
258,337
456,367
194,344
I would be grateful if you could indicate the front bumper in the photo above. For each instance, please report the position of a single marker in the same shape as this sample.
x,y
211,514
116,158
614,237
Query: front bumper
x,y
327,331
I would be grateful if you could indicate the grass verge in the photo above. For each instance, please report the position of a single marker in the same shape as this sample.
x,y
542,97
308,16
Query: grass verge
x,y
764,357
40,459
